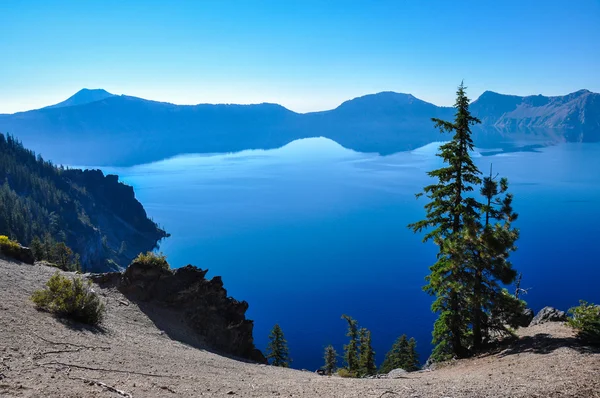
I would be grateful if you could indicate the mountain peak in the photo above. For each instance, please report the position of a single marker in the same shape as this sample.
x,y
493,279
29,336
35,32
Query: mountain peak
x,y
83,96
582,91
384,99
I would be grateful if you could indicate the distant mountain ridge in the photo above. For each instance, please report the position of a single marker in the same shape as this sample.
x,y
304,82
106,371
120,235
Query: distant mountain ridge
x,y
105,129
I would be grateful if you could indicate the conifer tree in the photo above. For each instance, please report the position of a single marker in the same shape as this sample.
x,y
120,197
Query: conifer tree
x,y
37,248
367,355
493,306
330,360
393,357
474,242
402,355
351,349
412,358
449,208
277,349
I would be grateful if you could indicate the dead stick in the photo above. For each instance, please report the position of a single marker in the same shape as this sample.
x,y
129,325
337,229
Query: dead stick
x,y
104,385
388,392
103,370
60,351
73,344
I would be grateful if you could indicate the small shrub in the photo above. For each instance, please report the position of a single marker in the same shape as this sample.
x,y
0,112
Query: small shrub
x,y
152,259
13,249
585,318
343,372
8,247
70,298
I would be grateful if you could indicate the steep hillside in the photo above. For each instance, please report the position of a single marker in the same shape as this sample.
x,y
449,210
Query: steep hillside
x,y
133,356
104,129
96,215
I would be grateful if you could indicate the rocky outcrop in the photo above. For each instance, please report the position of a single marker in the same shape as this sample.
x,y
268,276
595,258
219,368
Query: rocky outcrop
x,y
18,252
548,314
201,304
524,318
121,228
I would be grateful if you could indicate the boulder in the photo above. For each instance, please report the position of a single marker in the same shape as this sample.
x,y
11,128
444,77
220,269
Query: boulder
x,y
396,373
524,319
548,314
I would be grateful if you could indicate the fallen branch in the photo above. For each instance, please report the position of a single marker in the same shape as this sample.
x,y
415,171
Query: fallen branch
x,y
103,369
93,347
388,392
60,351
104,385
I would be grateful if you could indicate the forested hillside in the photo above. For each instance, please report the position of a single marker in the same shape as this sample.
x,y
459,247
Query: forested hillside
x,y
95,215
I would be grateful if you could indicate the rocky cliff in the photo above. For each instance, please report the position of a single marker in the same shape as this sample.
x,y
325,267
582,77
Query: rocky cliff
x,y
94,214
188,307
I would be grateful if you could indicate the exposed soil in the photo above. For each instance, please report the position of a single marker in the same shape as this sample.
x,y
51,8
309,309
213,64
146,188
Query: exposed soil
x,y
41,356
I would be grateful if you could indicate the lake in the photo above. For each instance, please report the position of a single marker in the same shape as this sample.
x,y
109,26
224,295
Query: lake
x,y
311,231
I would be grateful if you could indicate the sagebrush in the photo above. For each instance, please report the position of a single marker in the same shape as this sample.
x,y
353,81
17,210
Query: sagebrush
x,y
585,318
71,298
8,246
152,259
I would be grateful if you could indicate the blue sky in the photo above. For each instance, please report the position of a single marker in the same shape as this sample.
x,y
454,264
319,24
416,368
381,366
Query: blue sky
x,y
307,55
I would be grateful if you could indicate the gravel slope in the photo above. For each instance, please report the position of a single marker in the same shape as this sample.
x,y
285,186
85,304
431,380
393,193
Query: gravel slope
x,y
42,357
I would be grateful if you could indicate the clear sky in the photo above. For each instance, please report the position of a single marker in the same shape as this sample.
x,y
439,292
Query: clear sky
x,y
306,55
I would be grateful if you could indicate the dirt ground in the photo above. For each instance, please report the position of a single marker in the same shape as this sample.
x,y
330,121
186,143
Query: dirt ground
x,y
41,356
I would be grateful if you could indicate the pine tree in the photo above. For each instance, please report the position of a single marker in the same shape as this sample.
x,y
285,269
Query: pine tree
x,y
36,248
367,355
330,360
351,349
412,357
393,357
474,242
277,349
63,256
446,213
493,306
402,355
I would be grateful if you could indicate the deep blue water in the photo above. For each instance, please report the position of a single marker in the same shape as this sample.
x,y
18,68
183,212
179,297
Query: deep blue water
x,y
311,231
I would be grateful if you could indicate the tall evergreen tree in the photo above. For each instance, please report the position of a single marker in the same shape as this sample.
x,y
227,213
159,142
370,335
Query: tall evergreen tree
x,y
330,360
351,349
474,241
277,349
446,213
367,355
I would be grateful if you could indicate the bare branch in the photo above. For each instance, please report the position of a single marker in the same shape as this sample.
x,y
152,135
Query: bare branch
x,y
70,365
104,385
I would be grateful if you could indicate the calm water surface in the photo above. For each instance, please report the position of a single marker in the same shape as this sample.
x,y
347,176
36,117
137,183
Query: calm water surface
x,y
311,231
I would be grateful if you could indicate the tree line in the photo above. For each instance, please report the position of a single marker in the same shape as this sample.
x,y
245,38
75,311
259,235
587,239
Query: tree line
x,y
358,357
